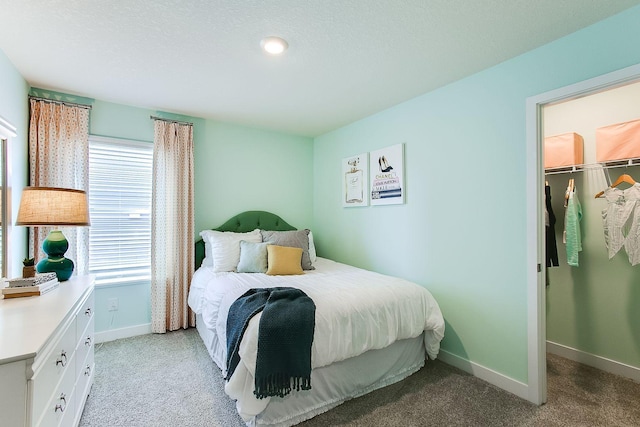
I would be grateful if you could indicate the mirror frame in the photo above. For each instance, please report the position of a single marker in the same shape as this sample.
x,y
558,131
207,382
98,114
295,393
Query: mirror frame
x,y
7,131
3,206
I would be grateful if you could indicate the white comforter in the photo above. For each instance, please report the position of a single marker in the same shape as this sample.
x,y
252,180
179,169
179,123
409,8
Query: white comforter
x,y
356,311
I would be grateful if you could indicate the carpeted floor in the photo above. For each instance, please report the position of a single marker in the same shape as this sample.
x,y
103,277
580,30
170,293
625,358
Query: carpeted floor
x,y
169,380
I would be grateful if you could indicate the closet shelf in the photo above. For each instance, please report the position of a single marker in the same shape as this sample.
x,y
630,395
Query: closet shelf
x,y
588,166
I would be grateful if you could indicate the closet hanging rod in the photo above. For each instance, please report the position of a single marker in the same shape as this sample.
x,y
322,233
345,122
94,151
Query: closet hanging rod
x,y
588,166
54,101
171,121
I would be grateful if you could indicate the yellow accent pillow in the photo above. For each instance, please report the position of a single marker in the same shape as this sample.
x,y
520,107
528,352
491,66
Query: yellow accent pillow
x,y
283,260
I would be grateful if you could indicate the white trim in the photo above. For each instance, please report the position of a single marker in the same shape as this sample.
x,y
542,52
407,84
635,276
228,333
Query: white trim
x,y
5,211
536,317
516,387
599,362
116,334
115,140
536,320
146,282
7,130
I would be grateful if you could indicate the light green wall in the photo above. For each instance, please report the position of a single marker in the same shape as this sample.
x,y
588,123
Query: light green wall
x,y
232,166
14,108
240,168
236,169
462,230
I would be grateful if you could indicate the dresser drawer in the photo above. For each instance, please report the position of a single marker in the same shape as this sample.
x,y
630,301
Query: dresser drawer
x,y
60,408
84,381
85,315
84,346
58,363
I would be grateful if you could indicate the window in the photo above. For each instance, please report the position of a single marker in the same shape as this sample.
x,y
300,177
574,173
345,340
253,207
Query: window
x,y
120,174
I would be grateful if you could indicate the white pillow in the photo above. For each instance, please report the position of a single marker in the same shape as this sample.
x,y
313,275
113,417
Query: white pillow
x,y
208,256
312,248
225,247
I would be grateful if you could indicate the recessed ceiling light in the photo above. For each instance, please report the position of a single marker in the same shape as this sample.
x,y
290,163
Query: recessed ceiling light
x,y
274,45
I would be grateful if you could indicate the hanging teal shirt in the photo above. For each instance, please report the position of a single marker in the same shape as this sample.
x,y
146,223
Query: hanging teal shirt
x,y
572,237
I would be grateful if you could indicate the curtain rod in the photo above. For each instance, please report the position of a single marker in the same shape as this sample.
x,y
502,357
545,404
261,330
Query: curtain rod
x,y
53,101
171,121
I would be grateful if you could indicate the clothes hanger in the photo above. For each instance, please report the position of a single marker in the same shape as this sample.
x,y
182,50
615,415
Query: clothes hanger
x,y
570,188
622,178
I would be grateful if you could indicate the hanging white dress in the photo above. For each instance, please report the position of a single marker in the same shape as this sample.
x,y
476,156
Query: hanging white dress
x,y
621,220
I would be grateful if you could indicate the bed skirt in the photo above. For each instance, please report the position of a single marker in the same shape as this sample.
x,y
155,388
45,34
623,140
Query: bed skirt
x,y
333,384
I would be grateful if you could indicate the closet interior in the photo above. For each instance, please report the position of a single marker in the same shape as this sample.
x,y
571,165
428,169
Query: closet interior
x,y
593,293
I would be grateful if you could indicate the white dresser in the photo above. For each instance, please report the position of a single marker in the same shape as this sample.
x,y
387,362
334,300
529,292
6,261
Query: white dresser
x,y
46,355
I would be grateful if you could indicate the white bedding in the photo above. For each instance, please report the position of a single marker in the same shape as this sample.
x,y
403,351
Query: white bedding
x,y
356,311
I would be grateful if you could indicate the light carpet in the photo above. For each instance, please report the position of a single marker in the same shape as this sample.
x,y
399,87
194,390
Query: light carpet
x,y
170,380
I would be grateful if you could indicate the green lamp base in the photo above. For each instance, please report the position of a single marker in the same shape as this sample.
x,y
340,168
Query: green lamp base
x,y
63,267
55,245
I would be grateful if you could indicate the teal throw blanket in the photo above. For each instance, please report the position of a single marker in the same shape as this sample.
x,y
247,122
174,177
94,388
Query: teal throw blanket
x,y
285,336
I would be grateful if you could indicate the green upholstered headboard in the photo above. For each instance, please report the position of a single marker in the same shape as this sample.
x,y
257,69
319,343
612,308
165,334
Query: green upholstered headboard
x,y
244,222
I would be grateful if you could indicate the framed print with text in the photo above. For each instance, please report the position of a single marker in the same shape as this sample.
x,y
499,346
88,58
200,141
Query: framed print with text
x,y
387,185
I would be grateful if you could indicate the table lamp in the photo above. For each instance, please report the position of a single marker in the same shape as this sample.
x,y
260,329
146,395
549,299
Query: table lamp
x,y
48,206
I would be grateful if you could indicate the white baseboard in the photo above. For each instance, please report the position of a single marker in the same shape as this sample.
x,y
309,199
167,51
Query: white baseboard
x,y
116,334
489,375
599,362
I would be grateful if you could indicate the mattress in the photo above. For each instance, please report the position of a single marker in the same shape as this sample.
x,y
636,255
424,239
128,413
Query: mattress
x,y
371,330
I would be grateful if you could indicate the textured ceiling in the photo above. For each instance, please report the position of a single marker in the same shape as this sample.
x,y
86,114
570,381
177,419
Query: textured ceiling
x,y
346,60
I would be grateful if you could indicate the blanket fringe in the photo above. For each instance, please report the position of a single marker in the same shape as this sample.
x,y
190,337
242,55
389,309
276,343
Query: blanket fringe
x,y
280,385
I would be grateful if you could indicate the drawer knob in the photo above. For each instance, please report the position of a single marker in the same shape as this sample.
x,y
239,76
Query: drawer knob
x,y
62,360
63,403
87,342
87,312
87,371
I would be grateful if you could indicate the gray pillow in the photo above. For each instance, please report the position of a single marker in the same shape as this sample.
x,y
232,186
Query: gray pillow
x,y
293,239
253,257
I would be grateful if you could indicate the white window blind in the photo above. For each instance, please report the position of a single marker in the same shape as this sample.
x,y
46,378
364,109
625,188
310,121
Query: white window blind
x,y
120,208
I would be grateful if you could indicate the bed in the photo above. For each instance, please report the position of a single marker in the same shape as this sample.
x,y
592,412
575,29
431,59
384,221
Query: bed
x,y
371,330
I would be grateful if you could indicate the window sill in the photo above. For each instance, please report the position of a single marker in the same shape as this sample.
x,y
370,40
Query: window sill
x,y
117,284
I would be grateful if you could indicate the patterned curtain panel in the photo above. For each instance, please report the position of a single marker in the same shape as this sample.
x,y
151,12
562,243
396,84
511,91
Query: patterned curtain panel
x,y
58,157
172,227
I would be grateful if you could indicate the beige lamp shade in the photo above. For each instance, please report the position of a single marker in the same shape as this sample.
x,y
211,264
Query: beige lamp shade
x,y
49,206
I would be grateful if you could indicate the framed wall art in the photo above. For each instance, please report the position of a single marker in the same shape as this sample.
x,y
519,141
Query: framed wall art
x,y
355,175
387,186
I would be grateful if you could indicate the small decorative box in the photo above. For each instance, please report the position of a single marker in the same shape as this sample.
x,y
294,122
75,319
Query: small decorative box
x,y
620,141
563,150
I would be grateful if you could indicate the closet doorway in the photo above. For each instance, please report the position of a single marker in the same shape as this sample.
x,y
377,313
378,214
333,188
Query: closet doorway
x,y
581,303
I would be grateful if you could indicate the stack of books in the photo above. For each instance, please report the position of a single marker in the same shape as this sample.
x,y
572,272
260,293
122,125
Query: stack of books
x,y
40,284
